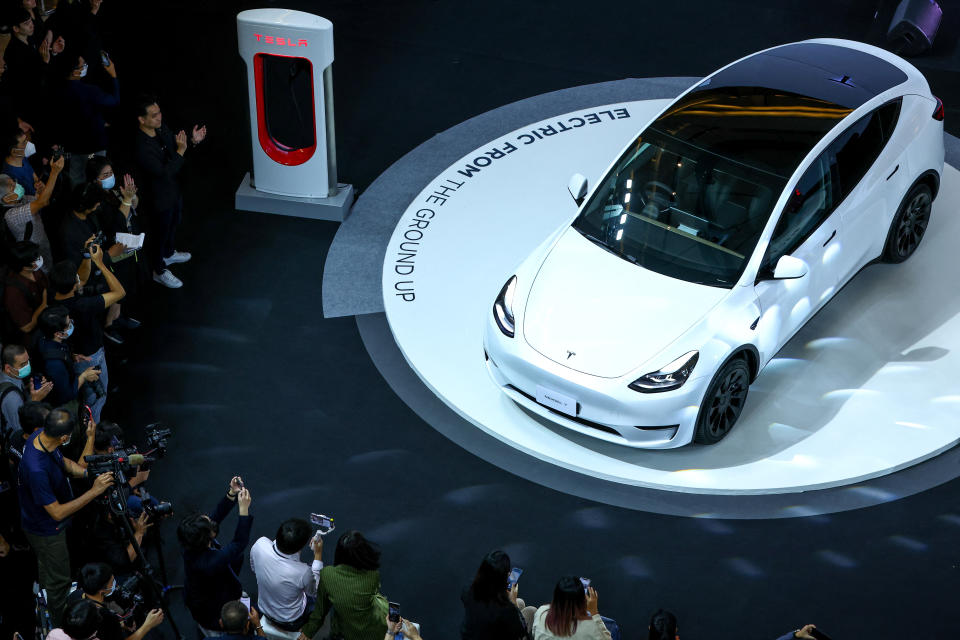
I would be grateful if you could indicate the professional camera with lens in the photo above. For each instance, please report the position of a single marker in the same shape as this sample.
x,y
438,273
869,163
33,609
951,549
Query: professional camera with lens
x,y
157,511
98,240
130,597
157,437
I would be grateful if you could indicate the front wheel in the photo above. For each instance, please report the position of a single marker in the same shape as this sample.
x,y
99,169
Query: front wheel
x,y
909,225
723,402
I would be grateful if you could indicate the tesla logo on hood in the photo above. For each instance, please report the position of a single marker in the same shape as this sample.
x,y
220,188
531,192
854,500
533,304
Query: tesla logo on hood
x,y
570,354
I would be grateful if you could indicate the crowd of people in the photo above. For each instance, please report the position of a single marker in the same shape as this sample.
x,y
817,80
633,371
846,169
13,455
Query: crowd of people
x,y
81,241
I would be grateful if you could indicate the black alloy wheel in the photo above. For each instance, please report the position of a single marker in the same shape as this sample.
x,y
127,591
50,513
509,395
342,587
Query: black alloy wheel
x,y
909,224
723,402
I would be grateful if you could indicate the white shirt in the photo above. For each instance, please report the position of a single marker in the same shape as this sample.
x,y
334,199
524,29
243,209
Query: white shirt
x,y
283,581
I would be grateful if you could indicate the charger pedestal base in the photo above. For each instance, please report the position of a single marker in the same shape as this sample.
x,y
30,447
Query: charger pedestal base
x,y
335,208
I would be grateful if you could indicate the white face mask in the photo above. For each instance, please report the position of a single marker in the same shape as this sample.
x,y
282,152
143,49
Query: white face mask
x,y
83,70
38,264
29,150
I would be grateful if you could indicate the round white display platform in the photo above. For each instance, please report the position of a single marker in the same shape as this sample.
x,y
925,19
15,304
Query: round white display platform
x,y
867,388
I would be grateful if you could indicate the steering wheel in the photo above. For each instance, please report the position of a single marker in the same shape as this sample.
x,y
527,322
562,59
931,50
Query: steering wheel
x,y
659,194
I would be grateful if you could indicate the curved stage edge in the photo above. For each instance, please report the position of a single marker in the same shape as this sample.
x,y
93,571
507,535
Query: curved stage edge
x,y
389,360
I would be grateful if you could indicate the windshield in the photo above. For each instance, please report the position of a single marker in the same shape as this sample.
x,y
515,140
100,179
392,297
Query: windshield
x,y
681,211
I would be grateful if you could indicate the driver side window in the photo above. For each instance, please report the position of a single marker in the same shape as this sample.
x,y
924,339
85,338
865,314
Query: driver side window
x,y
814,198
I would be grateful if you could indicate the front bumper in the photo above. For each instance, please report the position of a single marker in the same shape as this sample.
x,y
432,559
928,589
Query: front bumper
x,y
606,408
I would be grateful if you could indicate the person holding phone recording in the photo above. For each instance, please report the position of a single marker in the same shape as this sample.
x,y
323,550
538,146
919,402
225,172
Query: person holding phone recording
x,y
573,613
211,570
491,608
87,315
287,587
806,632
351,587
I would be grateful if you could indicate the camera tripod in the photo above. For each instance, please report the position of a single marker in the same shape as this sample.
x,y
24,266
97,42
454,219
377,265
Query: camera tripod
x,y
117,503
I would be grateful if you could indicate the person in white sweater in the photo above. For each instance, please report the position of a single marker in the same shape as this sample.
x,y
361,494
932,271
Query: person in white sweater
x,y
573,614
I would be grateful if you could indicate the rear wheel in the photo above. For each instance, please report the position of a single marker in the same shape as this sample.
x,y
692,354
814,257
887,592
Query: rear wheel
x,y
723,402
909,225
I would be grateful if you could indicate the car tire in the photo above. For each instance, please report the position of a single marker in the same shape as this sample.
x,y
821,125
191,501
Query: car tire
x,y
723,402
909,225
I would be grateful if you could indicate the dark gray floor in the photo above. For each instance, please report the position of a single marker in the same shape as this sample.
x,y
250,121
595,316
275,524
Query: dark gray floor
x,y
354,266
254,380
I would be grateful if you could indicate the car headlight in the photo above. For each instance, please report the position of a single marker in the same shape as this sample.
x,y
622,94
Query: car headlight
x,y
503,308
669,377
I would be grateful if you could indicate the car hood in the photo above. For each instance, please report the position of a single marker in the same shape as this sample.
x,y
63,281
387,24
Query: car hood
x,y
612,315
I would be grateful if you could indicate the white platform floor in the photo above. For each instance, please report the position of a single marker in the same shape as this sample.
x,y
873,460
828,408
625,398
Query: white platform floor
x,y
867,388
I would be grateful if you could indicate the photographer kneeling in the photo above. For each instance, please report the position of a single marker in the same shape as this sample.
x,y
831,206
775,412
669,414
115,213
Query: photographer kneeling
x,y
47,502
96,583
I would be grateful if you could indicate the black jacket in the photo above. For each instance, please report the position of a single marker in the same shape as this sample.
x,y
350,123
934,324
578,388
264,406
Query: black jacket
x,y
488,620
159,165
211,576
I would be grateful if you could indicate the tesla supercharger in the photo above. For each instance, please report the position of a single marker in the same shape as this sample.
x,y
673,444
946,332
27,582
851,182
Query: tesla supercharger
x,y
288,55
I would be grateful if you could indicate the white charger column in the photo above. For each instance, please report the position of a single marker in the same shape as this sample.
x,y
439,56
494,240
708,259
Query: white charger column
x,y
289,57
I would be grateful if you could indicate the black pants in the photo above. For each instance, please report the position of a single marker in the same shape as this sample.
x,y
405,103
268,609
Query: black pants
x,y
163,223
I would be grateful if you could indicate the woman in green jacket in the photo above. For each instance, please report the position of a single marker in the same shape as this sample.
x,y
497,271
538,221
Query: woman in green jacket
x,y
352,588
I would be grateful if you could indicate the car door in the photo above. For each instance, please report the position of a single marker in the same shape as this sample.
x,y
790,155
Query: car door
x,y
871,181
808,229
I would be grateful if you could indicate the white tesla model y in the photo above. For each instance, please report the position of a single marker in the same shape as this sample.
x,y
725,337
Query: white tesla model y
x,y
734,216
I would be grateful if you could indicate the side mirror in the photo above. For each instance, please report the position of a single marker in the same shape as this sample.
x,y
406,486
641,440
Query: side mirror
x,y
789,268
578,188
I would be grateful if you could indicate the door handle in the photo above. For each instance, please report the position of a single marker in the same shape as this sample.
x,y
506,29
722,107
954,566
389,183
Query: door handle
x,y
830,238
895,169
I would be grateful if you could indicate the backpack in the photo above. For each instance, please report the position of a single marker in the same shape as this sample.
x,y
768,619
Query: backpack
x,y
5,388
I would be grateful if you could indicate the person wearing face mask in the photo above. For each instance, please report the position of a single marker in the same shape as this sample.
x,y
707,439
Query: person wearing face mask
x,y
25,290
15,164
83,125
14,386
96,584
58,361
47,502
21,209
87,314
118,214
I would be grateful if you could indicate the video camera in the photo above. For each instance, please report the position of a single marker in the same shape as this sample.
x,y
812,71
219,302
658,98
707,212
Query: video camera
x,y
157,438
119,463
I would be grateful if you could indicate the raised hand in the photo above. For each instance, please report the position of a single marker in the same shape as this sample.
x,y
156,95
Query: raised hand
x,y
199,133
129,188
181,141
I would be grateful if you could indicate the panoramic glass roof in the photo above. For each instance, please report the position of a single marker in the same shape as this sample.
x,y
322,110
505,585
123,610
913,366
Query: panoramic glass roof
x,y
770,110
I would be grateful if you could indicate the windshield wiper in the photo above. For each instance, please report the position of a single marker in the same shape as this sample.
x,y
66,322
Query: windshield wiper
x,y
597,241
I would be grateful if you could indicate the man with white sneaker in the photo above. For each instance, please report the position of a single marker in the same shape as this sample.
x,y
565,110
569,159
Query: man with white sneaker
x,y
160,158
